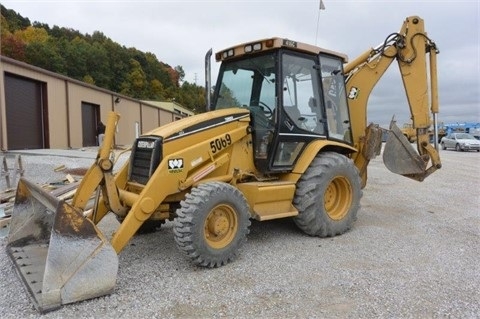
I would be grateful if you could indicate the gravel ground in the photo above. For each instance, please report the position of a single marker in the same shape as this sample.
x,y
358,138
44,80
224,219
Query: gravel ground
x,y
413,253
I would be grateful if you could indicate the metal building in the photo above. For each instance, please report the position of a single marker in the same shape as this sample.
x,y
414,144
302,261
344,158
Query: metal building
x,y
41,109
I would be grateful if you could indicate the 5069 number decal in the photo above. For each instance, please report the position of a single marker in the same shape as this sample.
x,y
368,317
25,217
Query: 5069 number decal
x,y
220,143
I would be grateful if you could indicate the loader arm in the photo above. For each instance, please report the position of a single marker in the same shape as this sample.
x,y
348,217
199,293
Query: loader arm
x,y
101,172
409,47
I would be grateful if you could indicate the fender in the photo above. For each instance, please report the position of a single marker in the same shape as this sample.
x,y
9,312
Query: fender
x,y
316,147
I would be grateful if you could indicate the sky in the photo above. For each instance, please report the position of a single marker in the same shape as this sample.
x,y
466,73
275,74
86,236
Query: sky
x,y
180,32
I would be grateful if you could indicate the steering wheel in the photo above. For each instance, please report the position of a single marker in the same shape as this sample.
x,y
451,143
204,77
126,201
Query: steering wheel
x,y
267,110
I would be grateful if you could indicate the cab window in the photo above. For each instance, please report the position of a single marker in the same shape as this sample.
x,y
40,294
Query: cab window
x,y
333,83
300,98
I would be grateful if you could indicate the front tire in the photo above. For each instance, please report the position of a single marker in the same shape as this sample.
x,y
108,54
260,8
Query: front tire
x,y
443,146
328,196
212,224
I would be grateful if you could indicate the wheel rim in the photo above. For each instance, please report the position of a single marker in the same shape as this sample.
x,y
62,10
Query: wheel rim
x,y
221,226
338,198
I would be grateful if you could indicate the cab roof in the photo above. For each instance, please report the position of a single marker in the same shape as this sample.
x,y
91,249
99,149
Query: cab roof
x,y
271,44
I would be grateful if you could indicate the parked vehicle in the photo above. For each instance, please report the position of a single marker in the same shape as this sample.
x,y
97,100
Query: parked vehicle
x,y
460,142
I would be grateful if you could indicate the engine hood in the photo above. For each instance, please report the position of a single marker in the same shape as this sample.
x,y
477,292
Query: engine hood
x,y
468,141
195,123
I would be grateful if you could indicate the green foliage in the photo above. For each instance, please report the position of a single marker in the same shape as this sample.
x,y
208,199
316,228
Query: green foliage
x,y
4,27
15,21
96,59
180,72
44,55
88,79
228,99
156,90
191,94
136,82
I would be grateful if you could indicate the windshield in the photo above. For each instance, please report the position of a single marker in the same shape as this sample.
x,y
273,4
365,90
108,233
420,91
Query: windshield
x,y
249,82
464,136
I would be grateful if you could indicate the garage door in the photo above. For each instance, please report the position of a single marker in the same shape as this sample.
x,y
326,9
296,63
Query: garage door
x,y
90,119
25,109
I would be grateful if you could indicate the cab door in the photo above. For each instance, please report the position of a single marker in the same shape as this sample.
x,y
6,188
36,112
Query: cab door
x,y
302,117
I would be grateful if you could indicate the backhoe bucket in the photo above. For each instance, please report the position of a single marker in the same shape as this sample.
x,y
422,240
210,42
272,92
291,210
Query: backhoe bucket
x,y
60,255
399,156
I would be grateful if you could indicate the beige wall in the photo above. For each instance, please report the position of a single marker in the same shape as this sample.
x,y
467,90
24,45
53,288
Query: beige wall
x,y
149,118
129,115
57,113
76,95
165,117
64,101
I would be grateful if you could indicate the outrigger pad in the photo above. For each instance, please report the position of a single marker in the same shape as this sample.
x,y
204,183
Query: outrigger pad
x,y
399,156
60,255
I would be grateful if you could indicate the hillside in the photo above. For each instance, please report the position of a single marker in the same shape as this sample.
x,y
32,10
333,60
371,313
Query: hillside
x,y
96,59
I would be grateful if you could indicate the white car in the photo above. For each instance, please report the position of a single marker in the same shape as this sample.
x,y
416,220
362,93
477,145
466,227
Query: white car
x,y
460,142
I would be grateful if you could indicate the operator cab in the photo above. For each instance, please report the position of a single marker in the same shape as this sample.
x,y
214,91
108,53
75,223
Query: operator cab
x,y
295,93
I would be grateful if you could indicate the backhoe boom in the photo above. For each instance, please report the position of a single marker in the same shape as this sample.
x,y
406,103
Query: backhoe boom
x,y
409,48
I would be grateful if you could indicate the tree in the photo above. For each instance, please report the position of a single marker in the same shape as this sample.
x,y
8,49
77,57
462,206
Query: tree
x,y
13,47
180,72
15,20
44,55
32,34
76,53
98,65
228,98
192,96
88,79
64,33
4,28
156,90
135,84
155,69
40,25
118,64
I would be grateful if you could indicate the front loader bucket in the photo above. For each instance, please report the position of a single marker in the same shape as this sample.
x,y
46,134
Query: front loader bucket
x,y
60,255
399,156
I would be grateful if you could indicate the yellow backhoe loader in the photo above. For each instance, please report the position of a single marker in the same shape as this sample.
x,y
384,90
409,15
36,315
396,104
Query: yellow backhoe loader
x,y
285,136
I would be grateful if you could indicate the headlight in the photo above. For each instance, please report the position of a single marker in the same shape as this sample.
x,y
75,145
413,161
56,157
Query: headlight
x,y
253,47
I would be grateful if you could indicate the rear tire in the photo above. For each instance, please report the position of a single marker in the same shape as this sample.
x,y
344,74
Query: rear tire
x,y
212,224
328,196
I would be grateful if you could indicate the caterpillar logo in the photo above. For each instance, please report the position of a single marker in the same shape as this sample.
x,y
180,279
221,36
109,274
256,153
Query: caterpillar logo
x,y
146,144
175,165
